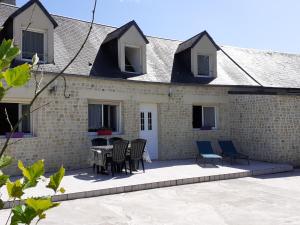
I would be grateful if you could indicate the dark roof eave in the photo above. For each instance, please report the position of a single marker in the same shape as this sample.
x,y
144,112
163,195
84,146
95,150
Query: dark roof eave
x,y
196,41
26,6
124,29
181,83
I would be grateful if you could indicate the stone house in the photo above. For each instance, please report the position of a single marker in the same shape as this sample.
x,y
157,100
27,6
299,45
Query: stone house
x,y
170,92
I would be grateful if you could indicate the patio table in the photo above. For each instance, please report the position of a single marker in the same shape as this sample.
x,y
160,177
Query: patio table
x,y
99,154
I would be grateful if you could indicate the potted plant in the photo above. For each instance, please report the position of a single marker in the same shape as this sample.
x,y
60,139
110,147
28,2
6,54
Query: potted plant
x,y
104,131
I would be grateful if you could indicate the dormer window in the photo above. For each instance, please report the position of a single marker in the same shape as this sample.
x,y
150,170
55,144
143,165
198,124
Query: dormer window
x,y
203,62
133,60
199,53
128,43
33,42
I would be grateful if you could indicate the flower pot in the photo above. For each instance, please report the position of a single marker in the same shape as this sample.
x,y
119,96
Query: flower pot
x,y
104,132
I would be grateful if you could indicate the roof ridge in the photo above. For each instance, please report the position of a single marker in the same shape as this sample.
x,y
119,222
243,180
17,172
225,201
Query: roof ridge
x,y
14,6
162,38
262,50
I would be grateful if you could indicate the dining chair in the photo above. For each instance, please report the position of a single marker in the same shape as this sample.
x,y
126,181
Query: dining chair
x,y
114,139
97,142
118,156
136,153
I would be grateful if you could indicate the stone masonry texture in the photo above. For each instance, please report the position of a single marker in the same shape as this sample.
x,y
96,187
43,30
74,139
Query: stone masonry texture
x,y
264,127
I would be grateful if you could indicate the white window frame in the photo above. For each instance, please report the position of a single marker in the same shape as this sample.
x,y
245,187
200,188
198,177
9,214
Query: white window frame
x,y
119,114
45,43
208,106
140,56
210,58
202,116
30,134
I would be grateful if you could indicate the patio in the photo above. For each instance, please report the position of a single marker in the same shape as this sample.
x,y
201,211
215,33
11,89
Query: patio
x,y
84,183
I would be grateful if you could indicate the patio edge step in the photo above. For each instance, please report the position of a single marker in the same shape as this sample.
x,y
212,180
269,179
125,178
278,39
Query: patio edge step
x,y
161,184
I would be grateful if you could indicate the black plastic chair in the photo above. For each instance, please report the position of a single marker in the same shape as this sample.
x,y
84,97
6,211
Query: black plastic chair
x,y
118,157
98,142
136,153
114,139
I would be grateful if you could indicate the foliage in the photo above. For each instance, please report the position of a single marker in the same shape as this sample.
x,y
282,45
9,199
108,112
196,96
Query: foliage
x,y
32,208
11,77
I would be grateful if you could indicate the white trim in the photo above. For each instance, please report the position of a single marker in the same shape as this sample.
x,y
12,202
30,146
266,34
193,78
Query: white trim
x,y
215,110
45,39
210,62
140,58
119,115
20,104
202,116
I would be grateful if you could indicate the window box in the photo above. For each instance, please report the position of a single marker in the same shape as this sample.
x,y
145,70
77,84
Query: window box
x,y
104,132
15,135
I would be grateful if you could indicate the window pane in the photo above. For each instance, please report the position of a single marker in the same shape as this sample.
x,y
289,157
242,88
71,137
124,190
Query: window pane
x,y
197,116
32,42
203,65
110,119
25,126
113,118
132,59
149,121
209,117
142,121
95,117
13,112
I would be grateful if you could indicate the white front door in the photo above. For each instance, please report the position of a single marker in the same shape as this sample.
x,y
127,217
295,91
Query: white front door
x,y
148,128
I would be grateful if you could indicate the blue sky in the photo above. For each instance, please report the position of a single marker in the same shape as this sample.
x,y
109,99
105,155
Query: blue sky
x,y
262,24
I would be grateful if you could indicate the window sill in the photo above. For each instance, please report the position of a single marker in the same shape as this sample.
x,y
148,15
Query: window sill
x,y
204,76
24,137
94,134
199,129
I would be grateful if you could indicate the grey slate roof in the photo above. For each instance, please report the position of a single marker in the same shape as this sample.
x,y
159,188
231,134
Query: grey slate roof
x,y
190,43
116,34
271,69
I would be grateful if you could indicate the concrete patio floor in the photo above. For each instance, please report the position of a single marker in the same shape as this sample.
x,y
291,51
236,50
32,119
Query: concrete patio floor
x,y
85,183
269,200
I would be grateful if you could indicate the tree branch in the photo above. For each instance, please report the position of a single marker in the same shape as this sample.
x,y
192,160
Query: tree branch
x,y
51,81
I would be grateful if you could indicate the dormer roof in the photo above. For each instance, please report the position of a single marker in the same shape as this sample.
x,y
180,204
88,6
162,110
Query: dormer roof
x,y
190,43
118,33
26,6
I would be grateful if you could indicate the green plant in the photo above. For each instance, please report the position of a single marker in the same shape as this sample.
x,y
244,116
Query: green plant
x,y
30,208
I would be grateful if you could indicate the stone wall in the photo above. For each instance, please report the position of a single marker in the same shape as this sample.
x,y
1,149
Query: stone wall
x,y
267,127
60,129
264,127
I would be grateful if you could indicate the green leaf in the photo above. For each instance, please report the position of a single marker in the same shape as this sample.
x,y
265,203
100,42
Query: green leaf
x,y
14,189
4,47
8,52
22,214
55,179
2,91
62,190
3,179
1,204
17,76
5,161
40,205
32,173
